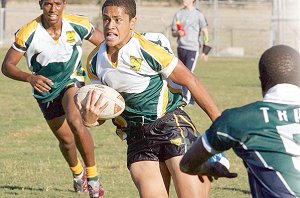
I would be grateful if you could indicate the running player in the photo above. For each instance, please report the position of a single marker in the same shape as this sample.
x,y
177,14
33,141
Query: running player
x,y
156,128
51,44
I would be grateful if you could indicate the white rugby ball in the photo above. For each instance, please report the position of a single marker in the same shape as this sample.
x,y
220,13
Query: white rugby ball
x,y
116,103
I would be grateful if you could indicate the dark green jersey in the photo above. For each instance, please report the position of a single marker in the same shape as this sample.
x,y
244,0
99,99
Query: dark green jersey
x,y
266,136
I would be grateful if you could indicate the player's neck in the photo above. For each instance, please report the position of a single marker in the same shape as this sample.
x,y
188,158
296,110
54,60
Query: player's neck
x,y
54,30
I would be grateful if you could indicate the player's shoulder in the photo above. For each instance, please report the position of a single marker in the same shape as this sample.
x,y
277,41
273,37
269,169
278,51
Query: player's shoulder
x,y
30,27
154,36
144,38
236,112
77,19
155,39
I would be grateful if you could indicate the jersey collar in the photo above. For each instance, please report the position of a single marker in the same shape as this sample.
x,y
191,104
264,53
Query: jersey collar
x,y
283,93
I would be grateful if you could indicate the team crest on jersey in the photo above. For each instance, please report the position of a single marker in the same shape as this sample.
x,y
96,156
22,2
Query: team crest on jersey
x,y
135,63
70,36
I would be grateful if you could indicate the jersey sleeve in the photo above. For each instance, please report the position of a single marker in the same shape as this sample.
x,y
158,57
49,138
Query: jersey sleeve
x,y
24,35
222,134
202,20
81,25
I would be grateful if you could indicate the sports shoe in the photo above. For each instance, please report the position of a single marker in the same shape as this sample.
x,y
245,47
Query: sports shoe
x,y
220,157
80,182
95,188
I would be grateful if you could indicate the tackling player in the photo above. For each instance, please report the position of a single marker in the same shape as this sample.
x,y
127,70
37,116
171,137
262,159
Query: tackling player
x,y
264,134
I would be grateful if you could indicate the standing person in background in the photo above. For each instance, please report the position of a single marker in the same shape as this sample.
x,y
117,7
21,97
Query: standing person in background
x,y
52,44
153,123
188,24
264,134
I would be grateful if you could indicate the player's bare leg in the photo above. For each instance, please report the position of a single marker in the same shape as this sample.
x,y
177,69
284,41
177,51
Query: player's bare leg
x,y
187,186
84,142
82,135
165,175
63,133
148,179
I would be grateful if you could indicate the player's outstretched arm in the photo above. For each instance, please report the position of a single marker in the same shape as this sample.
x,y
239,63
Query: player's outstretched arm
x,y
183,76
194,162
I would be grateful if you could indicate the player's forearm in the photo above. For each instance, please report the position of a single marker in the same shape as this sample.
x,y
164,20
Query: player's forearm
x,y
205,36
194,161
204,100
13,72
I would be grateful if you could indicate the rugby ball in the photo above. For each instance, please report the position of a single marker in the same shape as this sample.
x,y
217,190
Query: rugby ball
x,y
116,103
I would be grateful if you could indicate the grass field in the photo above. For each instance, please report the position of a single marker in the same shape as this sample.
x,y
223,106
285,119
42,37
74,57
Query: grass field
x,y
31,165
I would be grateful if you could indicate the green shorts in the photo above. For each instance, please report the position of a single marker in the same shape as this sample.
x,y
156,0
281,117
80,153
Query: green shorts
x,y
163,139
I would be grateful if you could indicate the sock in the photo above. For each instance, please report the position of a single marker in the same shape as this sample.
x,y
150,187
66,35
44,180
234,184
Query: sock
x,y
91,173
78,169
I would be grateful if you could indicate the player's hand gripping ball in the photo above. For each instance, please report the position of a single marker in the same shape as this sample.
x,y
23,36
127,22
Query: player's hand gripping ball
x,y
112,100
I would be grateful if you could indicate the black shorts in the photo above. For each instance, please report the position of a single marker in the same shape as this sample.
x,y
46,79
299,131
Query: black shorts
x,y
54,108
163,139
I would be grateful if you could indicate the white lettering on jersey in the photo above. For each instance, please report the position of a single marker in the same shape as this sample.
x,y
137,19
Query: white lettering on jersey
x,y
288,134
297,115
265,114
282,115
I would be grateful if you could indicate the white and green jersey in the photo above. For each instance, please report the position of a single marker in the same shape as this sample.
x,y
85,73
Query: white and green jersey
x,y
266,136
58,60
140,75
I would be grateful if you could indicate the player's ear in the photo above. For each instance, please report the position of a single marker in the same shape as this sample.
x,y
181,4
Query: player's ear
x,y
41,4
132,23
65,2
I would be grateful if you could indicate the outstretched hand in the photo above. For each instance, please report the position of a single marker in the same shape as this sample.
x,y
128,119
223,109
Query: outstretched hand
x,y
214,171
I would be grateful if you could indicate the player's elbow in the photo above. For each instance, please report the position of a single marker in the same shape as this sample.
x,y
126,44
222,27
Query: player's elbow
x,y
3,69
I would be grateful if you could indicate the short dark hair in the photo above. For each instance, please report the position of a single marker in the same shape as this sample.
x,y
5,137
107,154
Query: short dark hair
x,y
128,5
41,3
279,64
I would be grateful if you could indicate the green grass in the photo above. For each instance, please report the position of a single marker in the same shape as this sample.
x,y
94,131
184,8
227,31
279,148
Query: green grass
x,y
31,165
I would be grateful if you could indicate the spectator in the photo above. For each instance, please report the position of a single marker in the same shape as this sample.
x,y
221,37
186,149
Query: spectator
x,y
188,24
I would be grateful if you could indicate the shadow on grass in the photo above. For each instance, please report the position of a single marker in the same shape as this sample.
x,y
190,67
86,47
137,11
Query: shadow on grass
x,y
22,188
247,192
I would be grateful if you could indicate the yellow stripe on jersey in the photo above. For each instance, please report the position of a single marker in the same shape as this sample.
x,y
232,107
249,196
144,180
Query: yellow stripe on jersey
x,y
80,20
158,52
91,75
24,33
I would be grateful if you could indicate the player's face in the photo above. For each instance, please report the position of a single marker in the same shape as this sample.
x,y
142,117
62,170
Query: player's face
x,y
117,26
52,11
